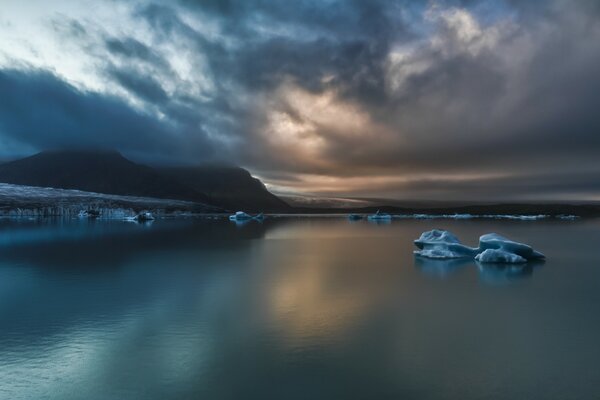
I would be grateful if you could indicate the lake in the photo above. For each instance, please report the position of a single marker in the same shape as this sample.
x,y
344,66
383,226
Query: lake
x,y
293,308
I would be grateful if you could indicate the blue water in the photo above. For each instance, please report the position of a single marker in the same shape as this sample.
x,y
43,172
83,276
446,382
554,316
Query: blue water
x,y
293,309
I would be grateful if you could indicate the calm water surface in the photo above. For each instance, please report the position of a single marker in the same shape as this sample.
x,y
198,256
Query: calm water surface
x,y
293,309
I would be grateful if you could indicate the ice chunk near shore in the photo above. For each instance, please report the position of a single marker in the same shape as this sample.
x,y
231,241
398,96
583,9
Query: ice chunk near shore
x,y
493,241
442,244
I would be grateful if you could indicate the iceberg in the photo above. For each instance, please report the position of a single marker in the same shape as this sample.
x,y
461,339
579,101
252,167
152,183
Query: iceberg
x,y
499,256
493,248
493,241
442,244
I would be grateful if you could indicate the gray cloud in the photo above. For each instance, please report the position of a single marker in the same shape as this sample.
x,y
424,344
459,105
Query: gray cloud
x,y
143,86
45,112
446,95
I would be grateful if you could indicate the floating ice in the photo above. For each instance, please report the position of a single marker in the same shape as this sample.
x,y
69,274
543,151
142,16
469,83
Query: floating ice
x,y
493,248
499,256
240,216
378,216
567,217
496,242
473,216
442,245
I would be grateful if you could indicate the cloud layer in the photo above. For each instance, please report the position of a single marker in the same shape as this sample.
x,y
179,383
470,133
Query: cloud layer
x,y
447,100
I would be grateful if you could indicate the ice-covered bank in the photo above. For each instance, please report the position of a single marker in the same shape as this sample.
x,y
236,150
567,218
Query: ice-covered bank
x,y
30,201
493,248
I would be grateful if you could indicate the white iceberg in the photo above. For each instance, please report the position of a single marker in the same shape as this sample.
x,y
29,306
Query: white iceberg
x,y
493,248
494,241
442,244
499,256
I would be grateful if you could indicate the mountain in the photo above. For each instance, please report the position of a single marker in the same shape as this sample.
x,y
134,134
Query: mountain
x,y
94,171
230,187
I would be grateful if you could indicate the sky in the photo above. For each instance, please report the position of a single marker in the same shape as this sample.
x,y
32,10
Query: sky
x,y
435,100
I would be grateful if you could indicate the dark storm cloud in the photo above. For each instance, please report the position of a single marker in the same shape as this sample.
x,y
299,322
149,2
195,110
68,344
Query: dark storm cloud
x,y
45,112
565,186
450,112
139,84
306,40
448,95
130,48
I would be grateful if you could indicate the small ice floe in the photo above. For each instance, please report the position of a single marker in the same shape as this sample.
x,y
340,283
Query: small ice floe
x,y
441,216
88,214
473,216
144,216
493,248
355,217
523,217
240,216
493,241
499,256
378,216
567,217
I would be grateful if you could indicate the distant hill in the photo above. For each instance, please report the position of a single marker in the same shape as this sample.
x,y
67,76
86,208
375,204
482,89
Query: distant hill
x,y
229,187
94,171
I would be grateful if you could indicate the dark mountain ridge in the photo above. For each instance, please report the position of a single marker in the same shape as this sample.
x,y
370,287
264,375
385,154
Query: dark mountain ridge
x,y
228,186
100,171
94,171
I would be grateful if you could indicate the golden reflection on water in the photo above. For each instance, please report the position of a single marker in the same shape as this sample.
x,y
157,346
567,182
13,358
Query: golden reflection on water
x,y
322,285
304,304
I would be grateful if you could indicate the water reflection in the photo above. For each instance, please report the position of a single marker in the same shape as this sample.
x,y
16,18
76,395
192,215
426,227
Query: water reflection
x,y
321,288
493,274
87,243
440,268
287,308
499,274
380,221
